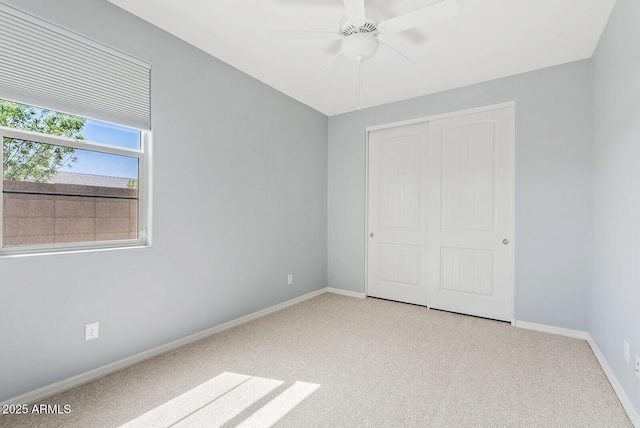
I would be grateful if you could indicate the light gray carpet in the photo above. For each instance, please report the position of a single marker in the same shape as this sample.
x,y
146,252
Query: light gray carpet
x,y
378,364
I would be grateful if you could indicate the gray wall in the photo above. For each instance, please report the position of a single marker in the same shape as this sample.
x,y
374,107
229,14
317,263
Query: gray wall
x,y
553,187
240,201
614,305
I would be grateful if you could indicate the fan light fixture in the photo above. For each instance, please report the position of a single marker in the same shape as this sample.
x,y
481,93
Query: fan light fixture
x,y
360,46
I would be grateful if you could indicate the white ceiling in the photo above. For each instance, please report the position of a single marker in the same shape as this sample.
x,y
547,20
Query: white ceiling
x,y
488,39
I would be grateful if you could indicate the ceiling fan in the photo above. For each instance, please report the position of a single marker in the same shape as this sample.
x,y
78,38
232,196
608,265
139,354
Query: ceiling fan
x,y
360,29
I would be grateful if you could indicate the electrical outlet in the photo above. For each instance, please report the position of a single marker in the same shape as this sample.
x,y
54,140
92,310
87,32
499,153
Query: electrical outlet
x,y
91,330
637,365
290,279
626,351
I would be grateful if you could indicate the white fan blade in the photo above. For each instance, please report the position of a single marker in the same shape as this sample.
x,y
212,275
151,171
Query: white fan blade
x,y
316,35
426,15
355,11
396,52
333,66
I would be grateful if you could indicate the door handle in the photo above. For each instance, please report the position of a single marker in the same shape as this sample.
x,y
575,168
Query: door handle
x,y
371,234
505,241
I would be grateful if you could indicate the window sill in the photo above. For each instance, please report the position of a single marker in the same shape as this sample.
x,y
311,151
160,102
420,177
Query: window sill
x,y
51,251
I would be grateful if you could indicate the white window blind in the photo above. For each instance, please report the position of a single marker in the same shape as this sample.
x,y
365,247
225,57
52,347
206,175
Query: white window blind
x,y
44,65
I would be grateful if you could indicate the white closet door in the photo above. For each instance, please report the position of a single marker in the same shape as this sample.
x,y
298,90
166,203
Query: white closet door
x,y
471,213
441,213
397,219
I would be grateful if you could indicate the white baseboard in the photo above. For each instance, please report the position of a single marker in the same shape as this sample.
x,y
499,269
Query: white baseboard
x,y
346,292
72,382
576,334
613,380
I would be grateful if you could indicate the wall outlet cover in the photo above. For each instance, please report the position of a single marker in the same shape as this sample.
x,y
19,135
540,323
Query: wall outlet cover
x,y
626,351
91,330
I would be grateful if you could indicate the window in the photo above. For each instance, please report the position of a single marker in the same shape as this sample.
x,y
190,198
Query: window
x,y
69,182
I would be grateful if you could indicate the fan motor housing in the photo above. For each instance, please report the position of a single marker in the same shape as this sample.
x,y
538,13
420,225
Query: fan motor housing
x,y
370,24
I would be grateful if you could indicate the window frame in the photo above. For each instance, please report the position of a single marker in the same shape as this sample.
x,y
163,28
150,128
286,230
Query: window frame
x,y
142,155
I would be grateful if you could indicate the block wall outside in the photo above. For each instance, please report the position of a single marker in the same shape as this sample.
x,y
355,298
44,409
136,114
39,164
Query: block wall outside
x,y
51,213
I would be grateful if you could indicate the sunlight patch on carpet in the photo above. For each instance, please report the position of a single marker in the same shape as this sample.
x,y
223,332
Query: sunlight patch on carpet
x,y
217,401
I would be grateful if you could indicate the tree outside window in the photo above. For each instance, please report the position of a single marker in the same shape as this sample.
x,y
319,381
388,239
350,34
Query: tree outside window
x,y
35,162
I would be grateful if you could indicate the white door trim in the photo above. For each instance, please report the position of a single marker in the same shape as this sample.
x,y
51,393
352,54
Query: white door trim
x,y
433,117
438,116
